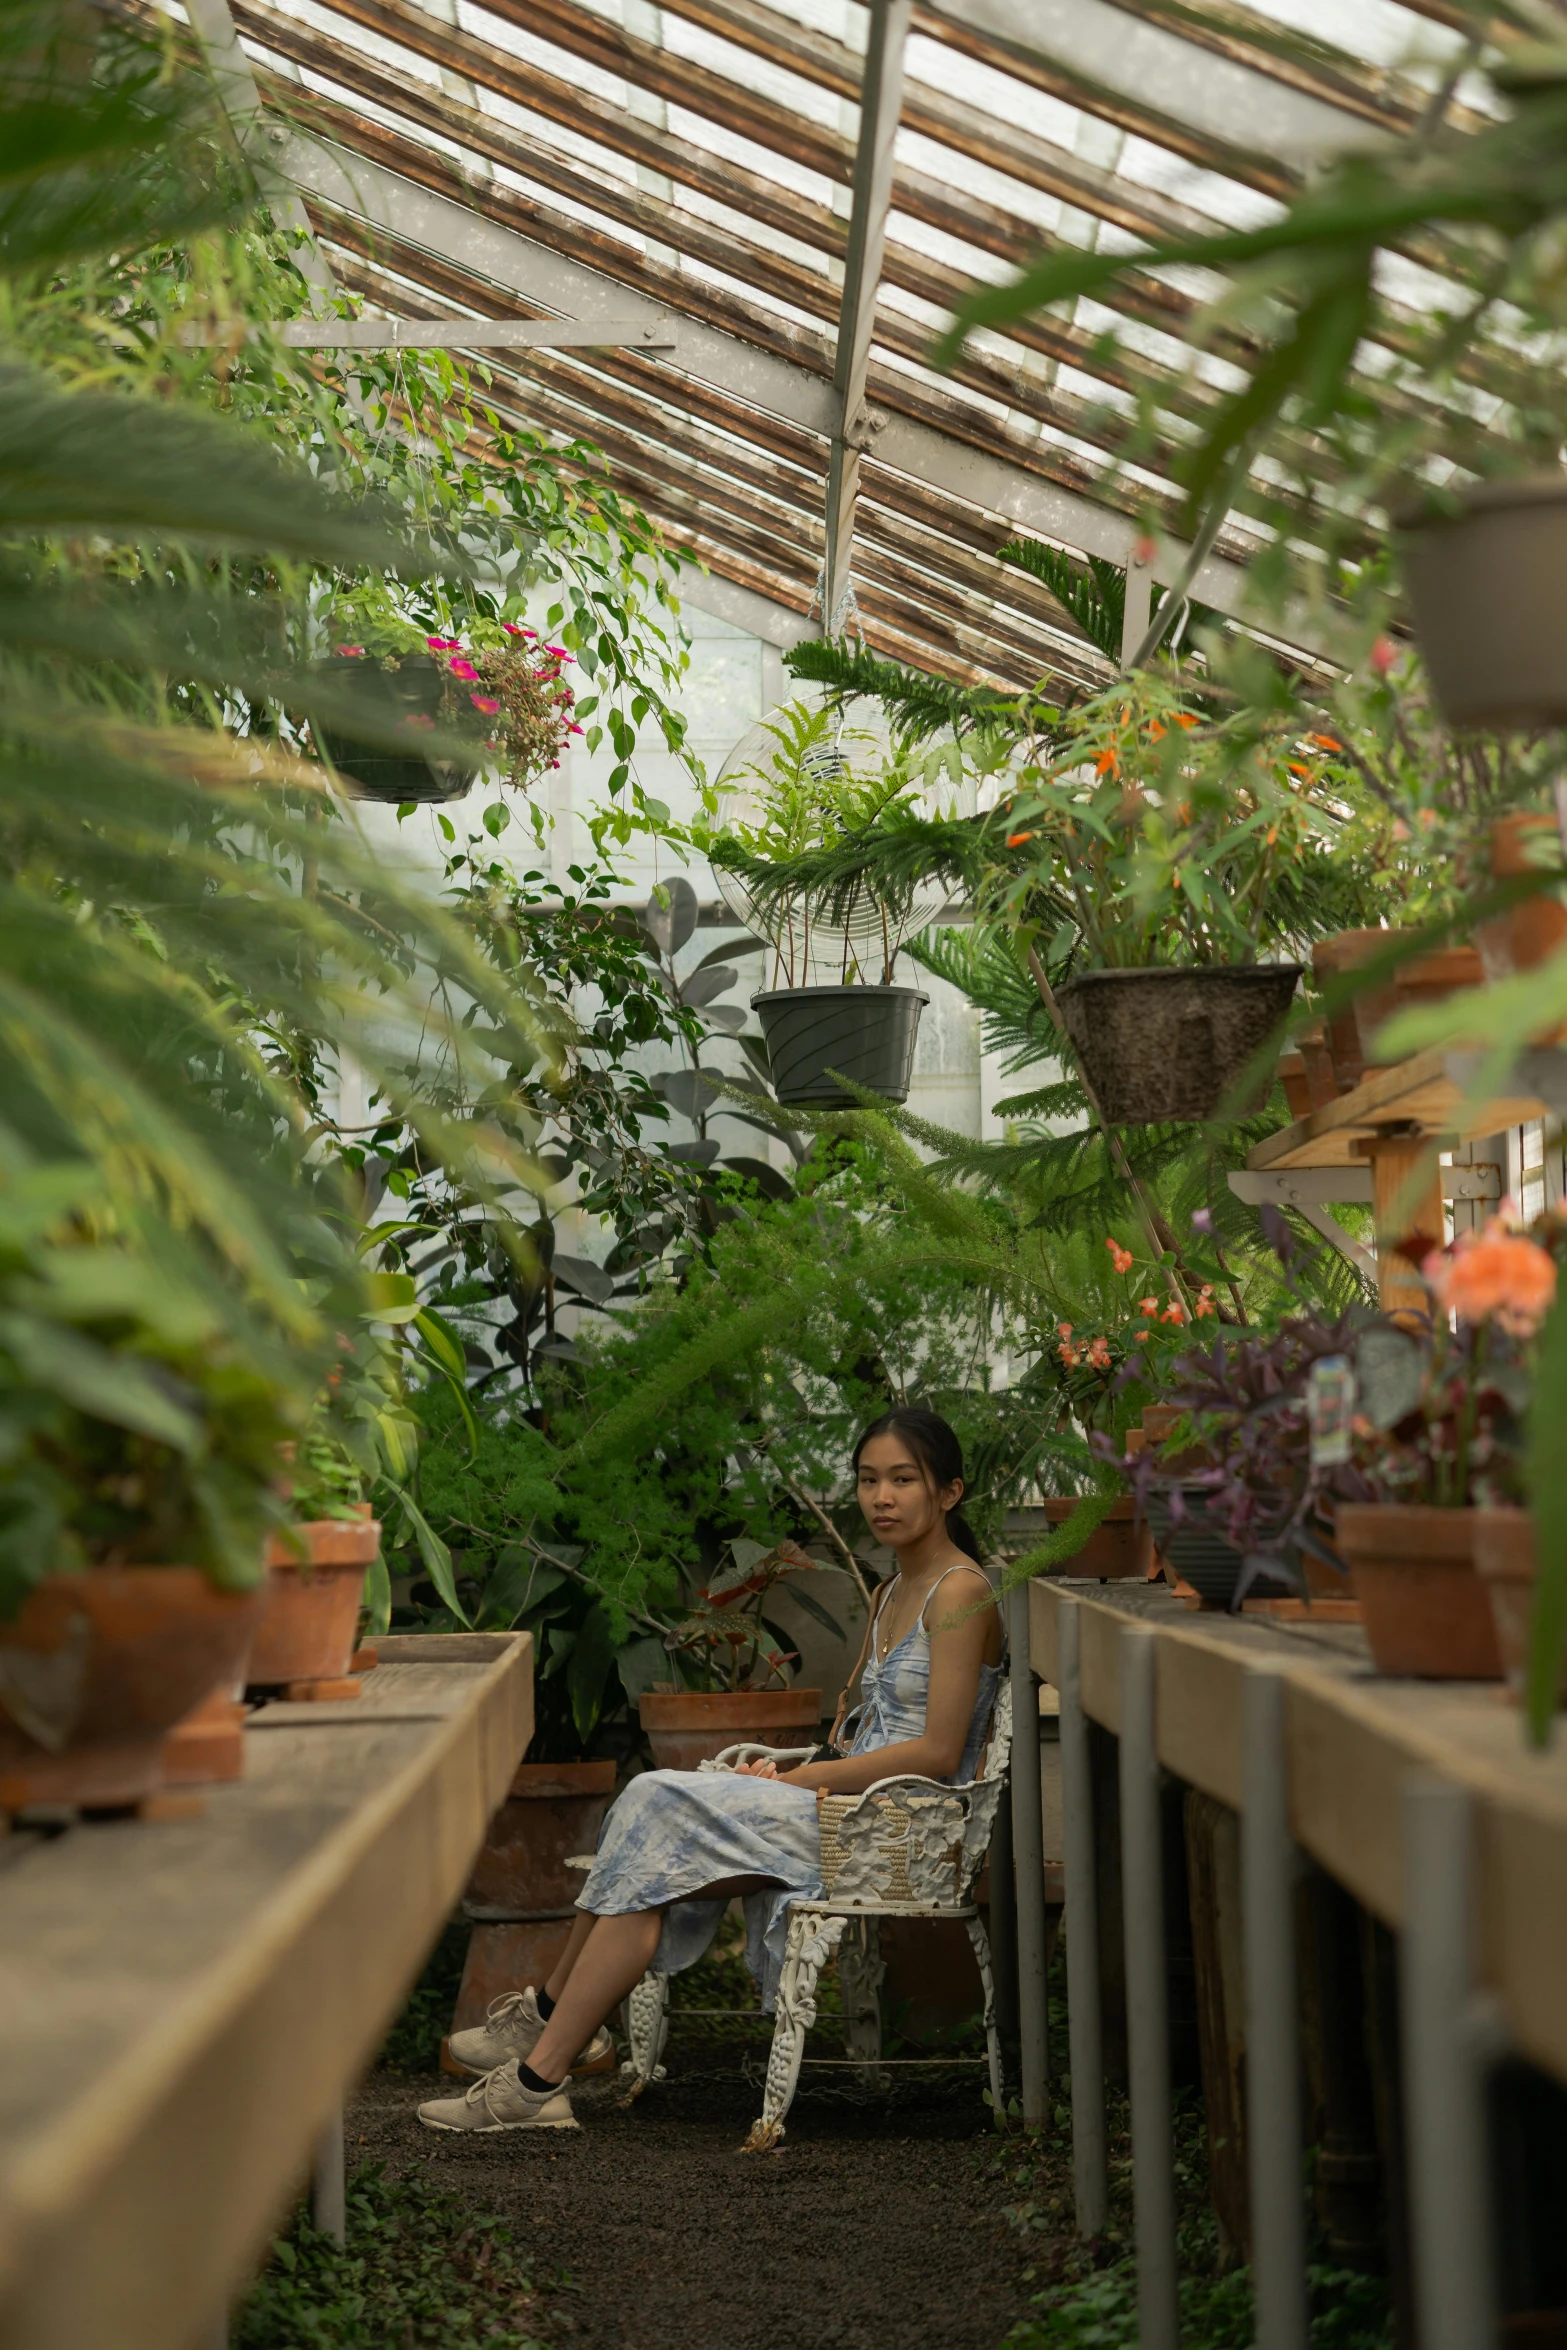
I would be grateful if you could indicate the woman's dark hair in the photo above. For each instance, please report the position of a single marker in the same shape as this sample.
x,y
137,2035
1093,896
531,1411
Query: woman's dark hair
x,y
935,1446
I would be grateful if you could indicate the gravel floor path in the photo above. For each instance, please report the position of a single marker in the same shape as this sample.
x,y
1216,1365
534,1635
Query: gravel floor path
x,y
877,2227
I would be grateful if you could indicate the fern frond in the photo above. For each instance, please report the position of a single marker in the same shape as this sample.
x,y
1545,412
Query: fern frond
x,y
1095,596
918,705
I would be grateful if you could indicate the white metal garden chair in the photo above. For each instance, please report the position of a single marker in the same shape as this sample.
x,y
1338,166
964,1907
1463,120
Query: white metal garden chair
x,y
908,1847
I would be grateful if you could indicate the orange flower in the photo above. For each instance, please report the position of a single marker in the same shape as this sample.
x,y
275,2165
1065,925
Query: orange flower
x,y
1203,1308
1174,1312
1156,731
1120,1257
1069,1355
1015,840
1108,763
1099,1353
1063,1329
1141,1337
1186,719
1494,1273
1150,1305
1325,742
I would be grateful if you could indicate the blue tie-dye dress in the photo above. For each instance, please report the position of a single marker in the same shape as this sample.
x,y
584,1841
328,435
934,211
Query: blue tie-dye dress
x,y
673,1832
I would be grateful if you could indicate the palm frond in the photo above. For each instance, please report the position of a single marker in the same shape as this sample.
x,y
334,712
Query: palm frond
x,y
1094,592
919,705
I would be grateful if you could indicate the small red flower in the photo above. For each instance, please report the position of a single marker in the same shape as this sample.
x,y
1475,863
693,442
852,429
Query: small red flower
x,y
1150,1305
1120,1257
444,644
1383,655
1015,840
349,652
485,702
465,670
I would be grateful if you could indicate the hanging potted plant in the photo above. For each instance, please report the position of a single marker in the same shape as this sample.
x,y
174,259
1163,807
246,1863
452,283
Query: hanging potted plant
x,y
1146,857
733,1666
795,807
399,700
137,1493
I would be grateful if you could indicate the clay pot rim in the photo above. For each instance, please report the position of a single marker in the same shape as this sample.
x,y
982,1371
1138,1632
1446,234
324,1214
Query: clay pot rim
x,y
1404,1533
746,1706
1496,1559
80,1578
1171,971
1486,497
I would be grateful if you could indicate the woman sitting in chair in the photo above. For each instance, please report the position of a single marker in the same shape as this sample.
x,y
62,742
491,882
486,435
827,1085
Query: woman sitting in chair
x,y
679,1845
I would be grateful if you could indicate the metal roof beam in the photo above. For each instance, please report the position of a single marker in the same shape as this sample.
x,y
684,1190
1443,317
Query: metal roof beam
x,y
1214,96
881,102
465,238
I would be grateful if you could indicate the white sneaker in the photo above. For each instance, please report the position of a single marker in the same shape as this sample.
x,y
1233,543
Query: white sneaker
x,y
500,2102
511,2027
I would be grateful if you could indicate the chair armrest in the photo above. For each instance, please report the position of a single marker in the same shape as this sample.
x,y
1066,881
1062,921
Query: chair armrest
x,y
750,1751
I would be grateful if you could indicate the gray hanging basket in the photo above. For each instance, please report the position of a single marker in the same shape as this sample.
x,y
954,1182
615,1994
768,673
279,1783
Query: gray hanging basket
x,y
1488,591
1158,1044
865,1034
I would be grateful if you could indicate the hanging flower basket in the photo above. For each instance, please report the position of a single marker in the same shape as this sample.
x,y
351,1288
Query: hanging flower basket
x,y
418,688
1488,589
817,1035
1158,1044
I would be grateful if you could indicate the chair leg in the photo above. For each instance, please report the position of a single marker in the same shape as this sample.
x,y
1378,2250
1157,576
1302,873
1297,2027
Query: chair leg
x,y
812,1941
861,1971
647,2027
981,1942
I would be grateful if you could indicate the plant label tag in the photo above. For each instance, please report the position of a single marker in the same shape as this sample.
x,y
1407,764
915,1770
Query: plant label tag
x,y
1330,1407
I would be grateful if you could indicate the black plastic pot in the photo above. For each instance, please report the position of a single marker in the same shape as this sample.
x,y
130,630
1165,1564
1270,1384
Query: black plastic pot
x,y
393,777
865,1034
1159,1044
1488,589
1209,1562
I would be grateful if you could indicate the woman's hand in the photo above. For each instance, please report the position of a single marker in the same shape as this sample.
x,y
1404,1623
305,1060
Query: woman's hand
x,y
756,1770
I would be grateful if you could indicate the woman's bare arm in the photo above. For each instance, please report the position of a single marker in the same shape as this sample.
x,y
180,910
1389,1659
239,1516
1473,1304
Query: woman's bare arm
x,y
957,1650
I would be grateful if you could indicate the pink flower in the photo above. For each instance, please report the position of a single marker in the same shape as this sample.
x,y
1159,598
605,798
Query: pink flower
x,y
557,652
419,721
570,730
1383,655
464,670
349,652
515,628
486,703
444,644
1494,1272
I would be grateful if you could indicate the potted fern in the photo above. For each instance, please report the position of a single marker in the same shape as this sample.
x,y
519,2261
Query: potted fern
x,y
802,786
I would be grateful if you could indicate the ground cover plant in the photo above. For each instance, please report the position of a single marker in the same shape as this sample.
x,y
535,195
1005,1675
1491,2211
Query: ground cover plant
x,y
421,2270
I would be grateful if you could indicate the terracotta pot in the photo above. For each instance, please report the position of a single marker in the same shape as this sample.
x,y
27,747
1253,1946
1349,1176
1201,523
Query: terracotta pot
x,y
95,1670
1534,930
1317,1055
1119,1547
1505,1559
1428,1616
688,1726
308,1627
504,1958
1296,1084
551,1811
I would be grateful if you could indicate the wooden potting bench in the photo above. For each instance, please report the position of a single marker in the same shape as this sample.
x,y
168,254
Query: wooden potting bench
x,y
1419,1799
184,2005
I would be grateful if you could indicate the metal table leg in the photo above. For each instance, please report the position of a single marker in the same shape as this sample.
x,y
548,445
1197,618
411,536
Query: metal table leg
x,y
1028,1852
1147,2004
1085,2032
1445,2030
328,2186
1273,2112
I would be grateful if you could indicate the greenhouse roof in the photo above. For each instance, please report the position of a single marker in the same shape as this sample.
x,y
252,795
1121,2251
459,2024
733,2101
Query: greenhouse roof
x,y
771,208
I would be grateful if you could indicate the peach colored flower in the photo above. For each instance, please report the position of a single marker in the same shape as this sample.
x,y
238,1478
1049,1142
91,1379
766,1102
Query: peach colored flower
x,y
1063,1329
1141,1337
1150,1305
1121,1258
1494,1274
1174,1312
1099,1353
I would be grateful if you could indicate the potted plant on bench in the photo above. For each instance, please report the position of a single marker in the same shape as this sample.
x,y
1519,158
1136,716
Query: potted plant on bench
x,y
732,1665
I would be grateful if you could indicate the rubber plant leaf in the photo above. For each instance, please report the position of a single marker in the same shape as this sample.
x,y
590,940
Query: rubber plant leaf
x,y
391,1297
437,1558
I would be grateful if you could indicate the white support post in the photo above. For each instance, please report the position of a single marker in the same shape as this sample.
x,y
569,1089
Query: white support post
x,y
1273,2109
1444,2071
213,25
1147,2003
1084,2025
881,103
1028,1863
328,2185
1139,599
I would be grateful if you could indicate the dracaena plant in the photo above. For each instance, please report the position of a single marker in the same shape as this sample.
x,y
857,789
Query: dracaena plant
x,y
725,1642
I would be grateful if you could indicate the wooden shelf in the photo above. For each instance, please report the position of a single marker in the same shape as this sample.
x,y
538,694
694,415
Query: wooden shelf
x,y
183,2006
1352,1740
1424,1097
